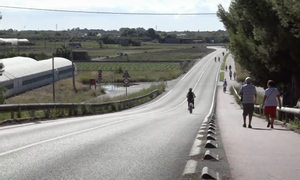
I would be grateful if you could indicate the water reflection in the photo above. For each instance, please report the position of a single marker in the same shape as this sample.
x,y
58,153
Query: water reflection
x,y
110,87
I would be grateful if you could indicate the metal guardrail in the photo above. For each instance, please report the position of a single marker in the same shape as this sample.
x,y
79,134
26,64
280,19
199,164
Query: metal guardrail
x,y
12,108
283,113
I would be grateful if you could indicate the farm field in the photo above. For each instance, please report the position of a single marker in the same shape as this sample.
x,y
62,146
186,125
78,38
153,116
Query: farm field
x,y
150,62
109,66
94,49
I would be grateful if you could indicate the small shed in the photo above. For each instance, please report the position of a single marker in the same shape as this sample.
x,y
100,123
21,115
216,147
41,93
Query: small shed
x,y
81,55
75,45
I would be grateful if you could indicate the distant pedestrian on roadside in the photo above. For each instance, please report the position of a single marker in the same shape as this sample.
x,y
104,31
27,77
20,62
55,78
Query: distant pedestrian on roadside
x,y
249,95
226,67
230,74
229,67
224,85
234,75
270,103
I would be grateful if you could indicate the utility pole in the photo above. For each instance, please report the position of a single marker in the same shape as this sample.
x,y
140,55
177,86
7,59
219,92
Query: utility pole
x,y
53,76
18,43
73,69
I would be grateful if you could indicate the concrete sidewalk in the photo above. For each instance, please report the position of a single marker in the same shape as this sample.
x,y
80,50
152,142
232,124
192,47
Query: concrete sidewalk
x,y
259,153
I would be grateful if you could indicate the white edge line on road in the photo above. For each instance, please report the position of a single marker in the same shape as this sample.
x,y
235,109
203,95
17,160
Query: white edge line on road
x,y
60,137
208,56
191,165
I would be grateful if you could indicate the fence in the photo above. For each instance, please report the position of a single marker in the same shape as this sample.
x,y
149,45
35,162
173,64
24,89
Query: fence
x,y
73,109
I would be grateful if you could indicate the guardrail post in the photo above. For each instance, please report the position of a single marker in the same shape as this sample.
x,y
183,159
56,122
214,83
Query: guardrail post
x,y
262,110
12,115
47,113
280,115
19,113
32,113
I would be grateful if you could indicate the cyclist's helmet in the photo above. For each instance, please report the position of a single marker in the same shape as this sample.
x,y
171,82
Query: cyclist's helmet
x,y
190,89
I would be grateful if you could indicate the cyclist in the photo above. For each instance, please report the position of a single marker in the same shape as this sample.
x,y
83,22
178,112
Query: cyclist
x,y
190,97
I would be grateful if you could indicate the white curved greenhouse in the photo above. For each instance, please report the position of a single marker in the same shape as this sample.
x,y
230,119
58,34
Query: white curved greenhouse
x,y
20,74
13,41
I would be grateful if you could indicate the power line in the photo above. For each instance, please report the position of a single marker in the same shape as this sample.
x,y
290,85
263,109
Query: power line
x,y
113,13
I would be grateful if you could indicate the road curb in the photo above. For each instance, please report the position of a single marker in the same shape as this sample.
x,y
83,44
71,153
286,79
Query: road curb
x,y
210,155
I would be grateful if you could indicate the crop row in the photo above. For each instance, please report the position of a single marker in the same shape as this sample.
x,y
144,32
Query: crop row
x,y
82,66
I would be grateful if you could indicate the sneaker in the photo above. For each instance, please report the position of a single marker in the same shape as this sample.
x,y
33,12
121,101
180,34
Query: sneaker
x,y
249,126
244,125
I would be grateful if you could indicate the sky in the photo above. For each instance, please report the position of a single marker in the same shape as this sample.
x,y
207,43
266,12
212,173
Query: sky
x,y
23,19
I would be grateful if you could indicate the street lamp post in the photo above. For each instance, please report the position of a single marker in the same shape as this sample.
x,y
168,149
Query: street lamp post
x,y
53,76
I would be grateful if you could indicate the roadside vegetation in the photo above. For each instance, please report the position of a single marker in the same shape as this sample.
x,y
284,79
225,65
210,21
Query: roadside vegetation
x,y
85,109
262,50
222,73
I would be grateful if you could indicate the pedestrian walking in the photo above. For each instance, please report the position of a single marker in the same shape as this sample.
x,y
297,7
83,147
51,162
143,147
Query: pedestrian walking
x,y
224,85
226,67
230,74
234,75
270,103
249,95
229,67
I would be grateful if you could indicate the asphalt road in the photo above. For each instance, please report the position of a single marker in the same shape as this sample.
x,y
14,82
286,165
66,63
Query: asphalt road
x,y
149,142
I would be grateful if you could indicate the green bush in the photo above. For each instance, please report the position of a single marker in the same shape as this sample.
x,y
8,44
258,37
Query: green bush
x,y
84,79
221,76
41,56
119,70
2,98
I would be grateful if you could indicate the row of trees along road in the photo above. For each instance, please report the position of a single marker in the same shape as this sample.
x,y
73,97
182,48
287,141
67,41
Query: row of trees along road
x,y
265,40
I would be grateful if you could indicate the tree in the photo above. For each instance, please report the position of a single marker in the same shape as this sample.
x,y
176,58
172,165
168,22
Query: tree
x,y
289,14
100,43
129,32
151,33
57,34
63,52
264,40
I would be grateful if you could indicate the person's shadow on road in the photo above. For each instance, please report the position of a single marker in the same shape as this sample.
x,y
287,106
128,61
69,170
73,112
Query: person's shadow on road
x,y
261,129
280,129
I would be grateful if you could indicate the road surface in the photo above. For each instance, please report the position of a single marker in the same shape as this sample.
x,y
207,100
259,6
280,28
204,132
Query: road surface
x,y
149,142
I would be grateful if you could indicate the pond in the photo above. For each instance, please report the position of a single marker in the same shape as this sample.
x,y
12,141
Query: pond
x,y
110,87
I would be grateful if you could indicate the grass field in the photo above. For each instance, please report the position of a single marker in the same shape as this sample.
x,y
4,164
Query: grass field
x,y
143,71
